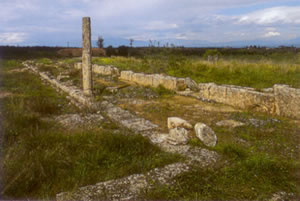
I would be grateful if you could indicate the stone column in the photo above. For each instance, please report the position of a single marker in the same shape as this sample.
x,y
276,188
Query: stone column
x,y
86,57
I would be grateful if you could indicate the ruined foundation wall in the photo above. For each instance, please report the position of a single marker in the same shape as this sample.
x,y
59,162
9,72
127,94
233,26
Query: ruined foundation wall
x,y
240,97
281,100
102,70
154,80
287,101
74,93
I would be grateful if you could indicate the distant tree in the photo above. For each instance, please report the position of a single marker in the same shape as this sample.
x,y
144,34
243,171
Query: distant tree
x,y
212,55
131,40
110,51
100,42
123,51
151,43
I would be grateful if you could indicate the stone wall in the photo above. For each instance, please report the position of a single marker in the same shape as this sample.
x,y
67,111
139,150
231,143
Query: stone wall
x,y
75,93
154,80
240,97
287,101
103,70
281,99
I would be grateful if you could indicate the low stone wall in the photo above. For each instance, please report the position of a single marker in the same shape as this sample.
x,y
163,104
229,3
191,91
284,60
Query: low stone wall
x,y
281,99
75,93
78,65
240,97
127,188
287,101
103,70
154,80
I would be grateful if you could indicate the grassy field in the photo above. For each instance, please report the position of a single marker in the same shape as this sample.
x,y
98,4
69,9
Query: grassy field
x,y
262,73
42,158
258,68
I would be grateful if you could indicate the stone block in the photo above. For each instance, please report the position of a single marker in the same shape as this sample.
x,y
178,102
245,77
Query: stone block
x,y
126,75
180,84
169,82
78,65
287,101
157,80
244,98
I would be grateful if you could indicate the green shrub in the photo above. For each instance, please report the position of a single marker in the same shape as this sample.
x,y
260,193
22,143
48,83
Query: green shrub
x,y
211,52
162,91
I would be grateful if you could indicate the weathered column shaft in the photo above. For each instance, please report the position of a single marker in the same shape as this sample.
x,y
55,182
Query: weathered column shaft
x,y
86,56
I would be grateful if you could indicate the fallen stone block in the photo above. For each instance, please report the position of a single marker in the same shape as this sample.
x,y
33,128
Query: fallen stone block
x,y
78,65
174,122
178,136
191,84
206,134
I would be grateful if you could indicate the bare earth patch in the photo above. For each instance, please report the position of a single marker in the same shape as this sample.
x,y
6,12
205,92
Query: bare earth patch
x,y
21,70
4,94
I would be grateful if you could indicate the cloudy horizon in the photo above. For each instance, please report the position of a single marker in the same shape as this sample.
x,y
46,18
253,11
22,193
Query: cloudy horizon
x,y
185,23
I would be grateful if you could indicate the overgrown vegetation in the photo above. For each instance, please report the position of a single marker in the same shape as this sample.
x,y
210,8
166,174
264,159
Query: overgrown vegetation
x,y
41,158
253,177
243,72
257,160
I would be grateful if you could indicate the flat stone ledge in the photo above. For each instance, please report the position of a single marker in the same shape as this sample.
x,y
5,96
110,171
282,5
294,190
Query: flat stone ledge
x,y
126,188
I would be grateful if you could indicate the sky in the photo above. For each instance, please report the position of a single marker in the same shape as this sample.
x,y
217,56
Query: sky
x,y
181,22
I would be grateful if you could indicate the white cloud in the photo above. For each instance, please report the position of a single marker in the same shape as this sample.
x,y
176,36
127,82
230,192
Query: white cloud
x,y
12,38
160,25
148,19
275,15
271,34
73,13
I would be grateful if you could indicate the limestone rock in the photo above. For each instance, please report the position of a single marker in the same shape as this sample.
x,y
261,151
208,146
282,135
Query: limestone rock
x,y
174,122
180,84
106,70
87,83
112,89
206,134
240,97
78,65
281,196
126,75
287,101
178,136
268,90
60,77
191,84
230,123
76,120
